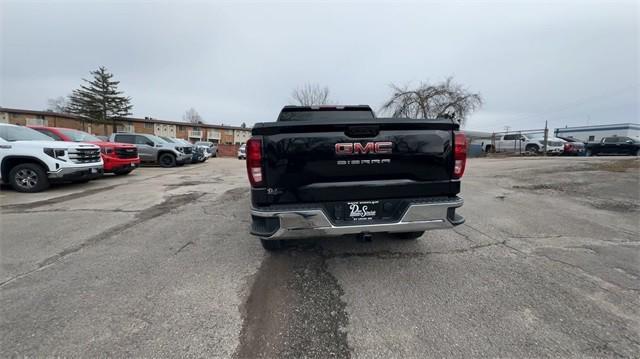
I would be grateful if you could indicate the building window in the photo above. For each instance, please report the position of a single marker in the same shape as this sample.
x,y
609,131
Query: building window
x,y
148,125
39,121
592,138
181,128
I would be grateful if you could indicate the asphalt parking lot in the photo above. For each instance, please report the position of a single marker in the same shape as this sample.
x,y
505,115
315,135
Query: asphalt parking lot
x,y
160,263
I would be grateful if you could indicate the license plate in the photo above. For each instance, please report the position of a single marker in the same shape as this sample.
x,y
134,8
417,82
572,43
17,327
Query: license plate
x,y
93,170
362,210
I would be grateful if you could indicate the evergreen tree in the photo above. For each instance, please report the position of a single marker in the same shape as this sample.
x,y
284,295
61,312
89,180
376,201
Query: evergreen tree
x,y
99,99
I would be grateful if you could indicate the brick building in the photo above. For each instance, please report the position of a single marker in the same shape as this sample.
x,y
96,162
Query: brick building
x,y
223,135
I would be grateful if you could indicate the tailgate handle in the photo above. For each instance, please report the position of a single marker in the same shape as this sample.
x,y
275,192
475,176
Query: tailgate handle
x,y
362,131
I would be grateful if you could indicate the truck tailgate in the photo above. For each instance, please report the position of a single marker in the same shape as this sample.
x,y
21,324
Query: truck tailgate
x,y
375,159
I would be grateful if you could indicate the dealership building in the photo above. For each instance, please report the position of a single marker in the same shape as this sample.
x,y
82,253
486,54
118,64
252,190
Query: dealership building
x,y
595,133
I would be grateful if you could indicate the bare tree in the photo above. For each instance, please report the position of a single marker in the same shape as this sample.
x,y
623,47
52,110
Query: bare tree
x,y
192,116
310,95
58,104
445,99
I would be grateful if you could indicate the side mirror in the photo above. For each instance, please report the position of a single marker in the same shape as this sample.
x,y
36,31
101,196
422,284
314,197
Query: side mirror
x,y
522,139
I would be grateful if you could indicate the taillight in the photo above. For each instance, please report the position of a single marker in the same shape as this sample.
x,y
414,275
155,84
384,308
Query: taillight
x,y
459,154
253,152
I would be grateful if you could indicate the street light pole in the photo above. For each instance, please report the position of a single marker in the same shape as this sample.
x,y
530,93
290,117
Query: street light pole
x,y
546,137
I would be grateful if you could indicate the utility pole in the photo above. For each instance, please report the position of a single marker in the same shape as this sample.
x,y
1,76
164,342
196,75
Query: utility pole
x,y
546,137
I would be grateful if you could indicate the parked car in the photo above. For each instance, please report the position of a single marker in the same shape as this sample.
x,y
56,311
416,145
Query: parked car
x,y
242,155
347,172
212,148
153,149
532,143
573,146
103,138
202,152
199,153
614,145
187,147
30,160
118,158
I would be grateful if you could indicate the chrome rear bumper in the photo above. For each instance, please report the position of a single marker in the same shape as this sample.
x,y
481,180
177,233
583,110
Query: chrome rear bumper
x,y
418,217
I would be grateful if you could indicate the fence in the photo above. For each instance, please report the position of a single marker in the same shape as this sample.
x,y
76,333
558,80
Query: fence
x,y
514,141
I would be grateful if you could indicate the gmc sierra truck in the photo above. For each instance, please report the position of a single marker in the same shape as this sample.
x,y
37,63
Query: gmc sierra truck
x,y
30,160
337,170
118,158
614,145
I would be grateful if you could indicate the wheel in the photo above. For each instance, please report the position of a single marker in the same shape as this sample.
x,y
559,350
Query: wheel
x,y
409,235
272,244
122,172
488,149
167,160
532,149
588,153
28,177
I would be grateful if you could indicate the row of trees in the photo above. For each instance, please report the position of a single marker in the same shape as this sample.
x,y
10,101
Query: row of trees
x,y
426,101
99,99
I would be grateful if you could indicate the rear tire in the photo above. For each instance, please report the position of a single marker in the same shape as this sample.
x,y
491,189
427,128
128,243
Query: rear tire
x,y
28,178
272,244
167,160
408,235
532,149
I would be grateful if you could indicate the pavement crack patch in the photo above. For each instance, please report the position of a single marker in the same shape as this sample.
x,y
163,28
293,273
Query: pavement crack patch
x,y
75,210
55,200
385,254
170,203
586,273
183,247
294,309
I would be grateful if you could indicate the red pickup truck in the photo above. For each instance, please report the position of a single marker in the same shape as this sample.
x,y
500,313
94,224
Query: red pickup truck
x,y
119,158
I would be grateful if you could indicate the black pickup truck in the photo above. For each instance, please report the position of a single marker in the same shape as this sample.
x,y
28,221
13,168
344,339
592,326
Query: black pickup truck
x,y
614,145
337,170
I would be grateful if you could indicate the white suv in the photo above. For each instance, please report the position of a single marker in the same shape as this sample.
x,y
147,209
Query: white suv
x,y
526,143
30,160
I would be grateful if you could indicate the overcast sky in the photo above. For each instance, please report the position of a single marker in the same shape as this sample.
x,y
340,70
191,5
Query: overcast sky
x,y
569,62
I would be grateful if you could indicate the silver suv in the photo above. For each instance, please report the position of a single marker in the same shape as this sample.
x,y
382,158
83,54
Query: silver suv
x,y
153,149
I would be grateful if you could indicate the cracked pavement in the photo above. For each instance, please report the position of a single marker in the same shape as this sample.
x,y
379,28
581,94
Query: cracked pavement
x,y
547,264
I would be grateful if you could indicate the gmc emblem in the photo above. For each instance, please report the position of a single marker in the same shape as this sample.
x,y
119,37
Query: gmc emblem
x,y
356,148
